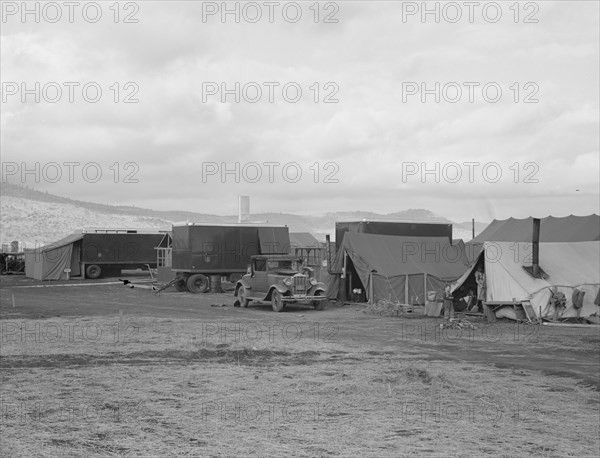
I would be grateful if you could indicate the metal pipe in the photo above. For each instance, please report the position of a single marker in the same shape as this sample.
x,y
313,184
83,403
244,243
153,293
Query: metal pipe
x,y
328,248
536,246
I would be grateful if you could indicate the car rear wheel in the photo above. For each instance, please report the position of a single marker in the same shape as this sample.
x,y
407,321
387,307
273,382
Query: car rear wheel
x,y
93,271
197,283
277,301
320,304
243,297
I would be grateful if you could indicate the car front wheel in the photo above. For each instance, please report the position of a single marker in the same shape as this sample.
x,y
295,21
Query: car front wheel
x,y
320,304
277,301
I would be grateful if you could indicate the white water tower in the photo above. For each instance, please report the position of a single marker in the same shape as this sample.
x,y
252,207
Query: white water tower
x,y
244,209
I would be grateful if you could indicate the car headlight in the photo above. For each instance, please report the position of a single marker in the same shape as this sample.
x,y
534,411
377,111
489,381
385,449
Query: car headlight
x,y
288,281
313,281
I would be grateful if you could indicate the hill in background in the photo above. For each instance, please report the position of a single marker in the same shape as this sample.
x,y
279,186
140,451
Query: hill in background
x,y
36,217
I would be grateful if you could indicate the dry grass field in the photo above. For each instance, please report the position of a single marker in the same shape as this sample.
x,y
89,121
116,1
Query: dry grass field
x,y
106,370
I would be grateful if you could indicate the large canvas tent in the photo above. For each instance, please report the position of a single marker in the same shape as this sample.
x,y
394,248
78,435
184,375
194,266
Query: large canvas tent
x,y
568,265
568,229
50,261
399,269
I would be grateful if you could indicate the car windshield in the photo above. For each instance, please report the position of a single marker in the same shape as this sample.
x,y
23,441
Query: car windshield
x,y
283,265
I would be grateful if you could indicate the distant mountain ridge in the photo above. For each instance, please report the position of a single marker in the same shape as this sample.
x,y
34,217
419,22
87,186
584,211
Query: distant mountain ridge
x,y
37,217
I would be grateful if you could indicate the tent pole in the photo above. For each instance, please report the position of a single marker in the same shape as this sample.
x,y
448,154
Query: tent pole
x,y
406,289
343,286
425,286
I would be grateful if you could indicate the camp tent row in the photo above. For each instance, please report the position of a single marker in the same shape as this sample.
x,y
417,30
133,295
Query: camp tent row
x,y
389,268
396,268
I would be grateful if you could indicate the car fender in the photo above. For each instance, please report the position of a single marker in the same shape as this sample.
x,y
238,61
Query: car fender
x,y
243,283
281,288
318,287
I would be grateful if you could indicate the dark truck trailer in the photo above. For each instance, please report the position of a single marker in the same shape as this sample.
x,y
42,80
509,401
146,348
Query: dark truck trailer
x,y
203,250
106,252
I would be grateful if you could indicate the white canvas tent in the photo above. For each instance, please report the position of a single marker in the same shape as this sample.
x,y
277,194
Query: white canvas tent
x,y
568,265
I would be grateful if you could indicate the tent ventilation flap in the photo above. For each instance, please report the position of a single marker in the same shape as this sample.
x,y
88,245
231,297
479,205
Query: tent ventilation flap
x,y
536,273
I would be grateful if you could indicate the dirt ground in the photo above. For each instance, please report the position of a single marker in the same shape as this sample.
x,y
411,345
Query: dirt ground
x,y
97,368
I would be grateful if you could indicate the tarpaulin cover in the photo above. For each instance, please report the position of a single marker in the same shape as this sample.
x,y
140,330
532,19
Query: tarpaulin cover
x,y
393,263
50,261
568,265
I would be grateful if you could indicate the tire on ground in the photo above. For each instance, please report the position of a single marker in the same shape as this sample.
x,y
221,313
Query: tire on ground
x,y
197,283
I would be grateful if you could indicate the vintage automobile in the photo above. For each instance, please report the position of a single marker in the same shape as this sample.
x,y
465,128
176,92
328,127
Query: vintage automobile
x,y
280,279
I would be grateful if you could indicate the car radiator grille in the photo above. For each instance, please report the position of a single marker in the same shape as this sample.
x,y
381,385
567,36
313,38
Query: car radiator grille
x,y
301,284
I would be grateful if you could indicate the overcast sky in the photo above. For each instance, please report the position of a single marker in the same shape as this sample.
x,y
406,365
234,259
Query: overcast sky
x,y
364,150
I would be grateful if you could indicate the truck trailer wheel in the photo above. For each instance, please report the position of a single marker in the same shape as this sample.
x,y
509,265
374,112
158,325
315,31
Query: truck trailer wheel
x,y
181,285
197,283
93,271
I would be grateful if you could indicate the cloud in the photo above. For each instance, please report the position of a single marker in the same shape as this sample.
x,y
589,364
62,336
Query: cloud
x,y
177,128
